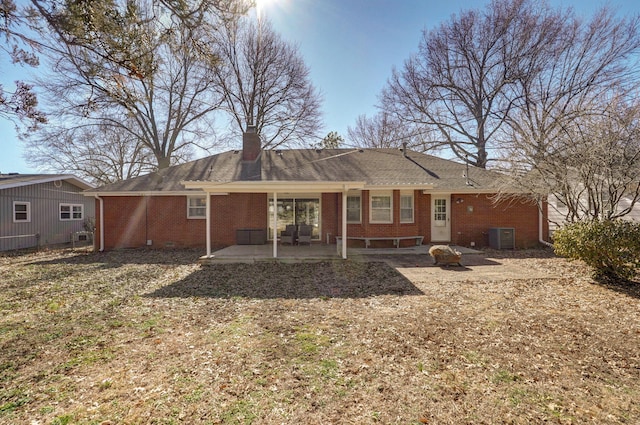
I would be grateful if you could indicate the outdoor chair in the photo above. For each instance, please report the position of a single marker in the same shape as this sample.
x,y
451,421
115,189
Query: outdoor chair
x,y
304,234
288,235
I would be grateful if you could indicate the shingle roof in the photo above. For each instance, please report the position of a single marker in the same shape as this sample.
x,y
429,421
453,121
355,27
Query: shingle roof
x,y
16,180
376,167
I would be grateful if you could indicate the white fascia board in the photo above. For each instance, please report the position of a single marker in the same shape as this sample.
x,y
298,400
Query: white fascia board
x,y
79,182
469,191
152,193
424,187
76,181
274,186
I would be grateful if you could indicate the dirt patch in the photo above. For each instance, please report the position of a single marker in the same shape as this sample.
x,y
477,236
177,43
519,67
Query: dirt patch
x,y
151,337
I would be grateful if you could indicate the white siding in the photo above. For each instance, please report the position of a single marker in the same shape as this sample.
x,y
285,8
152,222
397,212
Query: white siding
x,y
557,212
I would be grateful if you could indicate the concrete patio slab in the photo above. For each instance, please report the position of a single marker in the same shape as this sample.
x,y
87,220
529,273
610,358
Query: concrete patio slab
x,y
312,253
483,267
414,263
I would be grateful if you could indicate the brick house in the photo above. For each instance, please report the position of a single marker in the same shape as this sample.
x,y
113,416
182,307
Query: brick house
x,y
377,197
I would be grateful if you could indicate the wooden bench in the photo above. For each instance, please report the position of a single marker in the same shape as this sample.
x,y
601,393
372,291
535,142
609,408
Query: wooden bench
x,y
396,239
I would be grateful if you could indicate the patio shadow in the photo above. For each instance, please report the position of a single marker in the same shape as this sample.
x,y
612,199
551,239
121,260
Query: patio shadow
x,y
292,281
120,257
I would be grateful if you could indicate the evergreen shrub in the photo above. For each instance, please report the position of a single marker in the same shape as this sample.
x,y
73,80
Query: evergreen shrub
x,y
611,247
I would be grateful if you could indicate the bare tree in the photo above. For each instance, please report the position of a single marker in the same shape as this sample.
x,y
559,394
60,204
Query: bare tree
x,y
566,77
21,103
98,153
461,82
591,170
22,46
130,61
573,135
384,130
264,82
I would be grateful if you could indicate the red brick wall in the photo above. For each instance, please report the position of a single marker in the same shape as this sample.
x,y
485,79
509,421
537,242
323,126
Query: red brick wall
x,y
130,221
466,226
420,226
331,217
422,214
124,222
236,211
473,225
168,225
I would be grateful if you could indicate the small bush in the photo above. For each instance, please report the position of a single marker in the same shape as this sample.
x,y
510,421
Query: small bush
x,y
612,248
89,224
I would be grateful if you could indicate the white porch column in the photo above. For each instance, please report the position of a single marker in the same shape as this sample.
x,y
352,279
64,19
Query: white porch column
x,y
344,224
208,222
275,225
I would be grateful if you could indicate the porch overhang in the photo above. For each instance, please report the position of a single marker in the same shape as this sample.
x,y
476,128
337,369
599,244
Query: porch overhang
x,y
287,187
275,188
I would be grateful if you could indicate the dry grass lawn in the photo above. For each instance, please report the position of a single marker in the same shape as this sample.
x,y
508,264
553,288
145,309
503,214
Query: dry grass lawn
x,y
142,337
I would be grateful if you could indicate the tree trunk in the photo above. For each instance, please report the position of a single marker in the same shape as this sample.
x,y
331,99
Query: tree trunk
x,y
163,162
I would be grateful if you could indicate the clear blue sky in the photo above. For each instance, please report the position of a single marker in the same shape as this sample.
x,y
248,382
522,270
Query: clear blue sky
x,y
350,47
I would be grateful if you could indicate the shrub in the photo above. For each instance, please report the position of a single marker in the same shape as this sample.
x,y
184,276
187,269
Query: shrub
x,y
89,224
611,248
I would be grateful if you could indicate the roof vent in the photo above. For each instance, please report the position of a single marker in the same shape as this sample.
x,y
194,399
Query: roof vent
x,y
235,152
318,150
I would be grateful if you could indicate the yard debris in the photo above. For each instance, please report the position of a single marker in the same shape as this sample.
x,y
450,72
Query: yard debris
x,y
149,336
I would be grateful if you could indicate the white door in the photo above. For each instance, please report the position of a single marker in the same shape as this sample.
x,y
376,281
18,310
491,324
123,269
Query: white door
x,y
440,219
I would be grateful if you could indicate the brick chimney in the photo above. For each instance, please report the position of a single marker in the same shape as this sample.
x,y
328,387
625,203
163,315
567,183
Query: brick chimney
x,y
251,144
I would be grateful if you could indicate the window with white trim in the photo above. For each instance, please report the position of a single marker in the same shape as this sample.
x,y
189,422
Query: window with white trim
x,y
381,208
71,212
21,212
354,212
406,208
196,207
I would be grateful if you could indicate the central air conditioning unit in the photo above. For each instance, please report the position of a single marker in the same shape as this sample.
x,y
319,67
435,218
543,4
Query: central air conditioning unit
x,y
502,238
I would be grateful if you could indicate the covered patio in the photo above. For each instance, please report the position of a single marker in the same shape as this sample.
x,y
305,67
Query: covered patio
x,y
274,189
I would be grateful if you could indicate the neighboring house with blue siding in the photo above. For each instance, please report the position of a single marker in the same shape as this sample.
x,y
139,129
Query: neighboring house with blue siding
x,y
42,209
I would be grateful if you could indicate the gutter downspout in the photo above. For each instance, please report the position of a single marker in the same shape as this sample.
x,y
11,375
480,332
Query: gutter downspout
x,y
275,224
101,223
207,225
540,220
